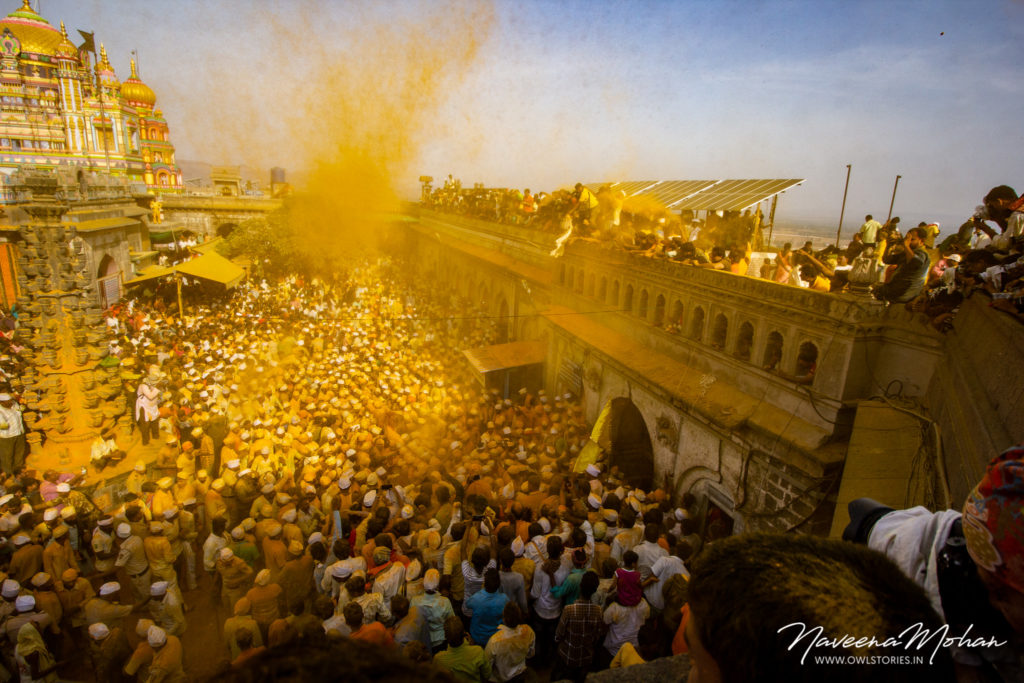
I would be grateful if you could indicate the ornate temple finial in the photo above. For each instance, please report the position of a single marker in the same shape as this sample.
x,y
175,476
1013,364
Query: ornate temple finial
x,y
134,74
63,31
26,4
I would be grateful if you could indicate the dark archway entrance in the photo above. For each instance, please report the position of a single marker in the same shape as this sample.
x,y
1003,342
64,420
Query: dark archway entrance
x,y
226,229
503,323
107,266
631,449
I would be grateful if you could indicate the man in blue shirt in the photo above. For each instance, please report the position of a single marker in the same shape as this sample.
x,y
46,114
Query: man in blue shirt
x,y
487,606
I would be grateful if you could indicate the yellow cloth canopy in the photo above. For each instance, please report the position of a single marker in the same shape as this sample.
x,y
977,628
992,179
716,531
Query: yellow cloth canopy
x,y
210,266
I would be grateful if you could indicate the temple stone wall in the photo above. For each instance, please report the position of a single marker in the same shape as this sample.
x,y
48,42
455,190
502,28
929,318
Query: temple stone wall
x,y
773,463
976,393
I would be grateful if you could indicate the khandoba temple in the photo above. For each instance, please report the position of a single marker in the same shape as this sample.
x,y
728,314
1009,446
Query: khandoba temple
x,y
607,432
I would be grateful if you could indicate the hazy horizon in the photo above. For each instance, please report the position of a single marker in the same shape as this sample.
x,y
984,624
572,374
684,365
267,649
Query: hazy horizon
x,y
542,94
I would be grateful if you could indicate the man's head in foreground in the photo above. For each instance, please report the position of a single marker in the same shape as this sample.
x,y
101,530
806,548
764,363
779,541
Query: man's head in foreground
x,y
744,589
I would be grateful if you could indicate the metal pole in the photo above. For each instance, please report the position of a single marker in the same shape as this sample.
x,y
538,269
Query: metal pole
x,y
842,211
181,309
893,200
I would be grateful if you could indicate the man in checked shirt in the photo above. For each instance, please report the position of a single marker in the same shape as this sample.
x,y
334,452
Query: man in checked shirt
x,y
580,630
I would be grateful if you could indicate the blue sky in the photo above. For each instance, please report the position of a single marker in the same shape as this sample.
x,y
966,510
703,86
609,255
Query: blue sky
x,y
557,92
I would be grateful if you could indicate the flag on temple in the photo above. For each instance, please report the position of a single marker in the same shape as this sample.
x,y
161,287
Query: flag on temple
x,y
90,43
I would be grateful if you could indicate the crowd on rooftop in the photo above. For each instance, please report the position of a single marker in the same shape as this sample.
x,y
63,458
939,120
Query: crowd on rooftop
x,y
929,275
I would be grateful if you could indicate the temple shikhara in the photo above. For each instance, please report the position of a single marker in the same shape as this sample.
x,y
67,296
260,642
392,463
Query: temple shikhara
x,y
59,110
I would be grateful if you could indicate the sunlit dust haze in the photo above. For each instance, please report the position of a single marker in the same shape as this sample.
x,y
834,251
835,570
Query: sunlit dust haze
x,y
353,112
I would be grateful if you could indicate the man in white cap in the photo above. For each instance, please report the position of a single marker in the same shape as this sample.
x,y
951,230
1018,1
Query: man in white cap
x,y
25,613
136,478
109,650
165,608
433,608
13,447
167,656
189,532
132,556
235,574
161,557
103,608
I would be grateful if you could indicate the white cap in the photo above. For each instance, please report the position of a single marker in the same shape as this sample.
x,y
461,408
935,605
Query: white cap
x,y
10,588
123,530
593,470
110,587
594,501
518,546
431,580
50,514
24,603
370,498
158,588
98,631
156,636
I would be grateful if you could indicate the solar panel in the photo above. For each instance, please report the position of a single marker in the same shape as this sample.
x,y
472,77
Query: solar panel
x,y
669,192
703,195
736,195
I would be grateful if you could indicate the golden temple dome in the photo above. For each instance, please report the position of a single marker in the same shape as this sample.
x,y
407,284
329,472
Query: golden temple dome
x,y
33,32
66,48
134,91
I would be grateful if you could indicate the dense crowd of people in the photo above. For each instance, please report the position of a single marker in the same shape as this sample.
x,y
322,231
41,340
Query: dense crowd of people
x,y
328,460
330,470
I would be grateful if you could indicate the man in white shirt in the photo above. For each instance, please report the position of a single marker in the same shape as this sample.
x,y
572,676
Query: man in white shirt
x,y
648,552
624,624
510,647
661,571
13,446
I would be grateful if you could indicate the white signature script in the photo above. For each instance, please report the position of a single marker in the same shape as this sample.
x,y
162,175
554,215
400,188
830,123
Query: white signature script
x,y
915,637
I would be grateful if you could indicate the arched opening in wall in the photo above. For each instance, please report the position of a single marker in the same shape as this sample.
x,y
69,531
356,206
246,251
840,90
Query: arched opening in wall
x,y
108,280
570,280
483,297
642,309
806,362
720,332
659,310
627,300
716,511
615,293
591,283
579,282
226,229
772,351
561,274
108,266
677,313
602,290
504,323
745,341
697,324
624,435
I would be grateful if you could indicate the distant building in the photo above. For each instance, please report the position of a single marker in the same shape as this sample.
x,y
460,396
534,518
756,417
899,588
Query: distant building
x,y
58,111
